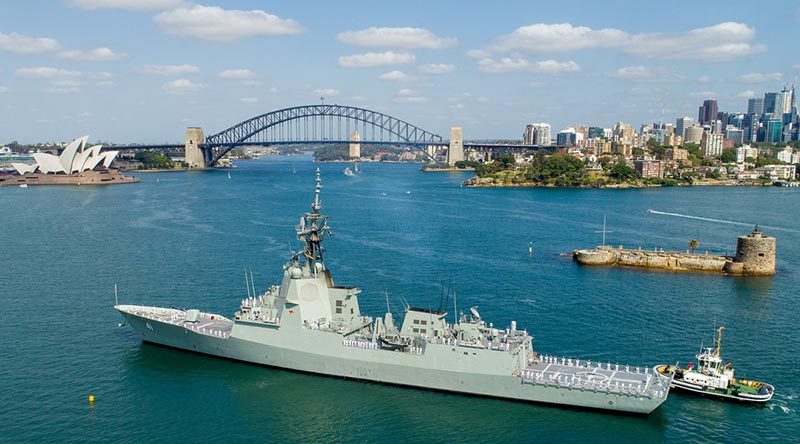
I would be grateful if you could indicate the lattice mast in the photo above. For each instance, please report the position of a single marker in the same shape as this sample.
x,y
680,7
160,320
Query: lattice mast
x,y
312,229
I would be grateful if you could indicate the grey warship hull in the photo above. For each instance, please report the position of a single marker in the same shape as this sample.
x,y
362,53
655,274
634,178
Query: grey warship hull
x,y
310,324
452,368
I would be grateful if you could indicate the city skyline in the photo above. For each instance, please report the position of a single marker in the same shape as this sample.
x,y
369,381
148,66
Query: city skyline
x,y
142,71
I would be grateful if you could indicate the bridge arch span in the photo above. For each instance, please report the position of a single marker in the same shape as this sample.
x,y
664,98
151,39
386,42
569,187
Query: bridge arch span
x,y
318,124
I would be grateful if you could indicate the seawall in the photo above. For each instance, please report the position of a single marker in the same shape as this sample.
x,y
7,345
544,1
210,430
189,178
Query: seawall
x,y
664,260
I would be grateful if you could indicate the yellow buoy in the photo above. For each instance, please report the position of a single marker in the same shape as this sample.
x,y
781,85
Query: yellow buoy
x,y
91,399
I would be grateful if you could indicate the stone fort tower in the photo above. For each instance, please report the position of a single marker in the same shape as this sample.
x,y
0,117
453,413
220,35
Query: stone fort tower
x,y
756,253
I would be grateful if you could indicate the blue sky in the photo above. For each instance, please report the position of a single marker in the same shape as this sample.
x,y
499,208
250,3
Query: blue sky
x,y
143,70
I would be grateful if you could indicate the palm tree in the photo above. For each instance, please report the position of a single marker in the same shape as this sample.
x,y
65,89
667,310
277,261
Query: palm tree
x,y
693,244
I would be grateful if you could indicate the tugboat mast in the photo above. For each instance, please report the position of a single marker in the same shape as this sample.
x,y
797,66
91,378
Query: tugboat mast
x,y
718,341
311,231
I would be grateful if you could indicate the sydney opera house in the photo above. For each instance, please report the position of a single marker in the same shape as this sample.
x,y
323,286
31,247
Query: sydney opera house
x,y
77,165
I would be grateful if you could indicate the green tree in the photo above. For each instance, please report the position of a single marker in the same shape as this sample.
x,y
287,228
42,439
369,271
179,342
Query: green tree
x,y
154,159
693,245
621,171
728,156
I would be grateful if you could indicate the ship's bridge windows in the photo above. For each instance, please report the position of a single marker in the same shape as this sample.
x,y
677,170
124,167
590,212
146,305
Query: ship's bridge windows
x,y
416,321
339,303
423,322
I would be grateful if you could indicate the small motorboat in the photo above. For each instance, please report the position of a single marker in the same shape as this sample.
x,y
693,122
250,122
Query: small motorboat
x,y
714,379
349,172
23,185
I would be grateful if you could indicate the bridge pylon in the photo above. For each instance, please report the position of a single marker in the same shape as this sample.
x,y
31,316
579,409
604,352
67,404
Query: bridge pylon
x,y
354,149
455,152
193,153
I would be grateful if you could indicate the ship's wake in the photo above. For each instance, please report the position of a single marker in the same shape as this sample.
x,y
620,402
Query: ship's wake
x,y
719,221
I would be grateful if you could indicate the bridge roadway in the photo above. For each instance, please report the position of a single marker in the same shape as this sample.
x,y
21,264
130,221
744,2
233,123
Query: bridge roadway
x,y
479,146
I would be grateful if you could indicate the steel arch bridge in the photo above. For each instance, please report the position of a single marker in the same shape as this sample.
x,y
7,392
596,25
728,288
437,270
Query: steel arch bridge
x,y
317,124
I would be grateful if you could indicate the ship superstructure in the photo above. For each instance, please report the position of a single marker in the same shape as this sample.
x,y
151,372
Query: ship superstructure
x,y
308,323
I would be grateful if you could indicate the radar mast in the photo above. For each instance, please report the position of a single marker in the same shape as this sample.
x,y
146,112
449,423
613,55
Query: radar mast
x,y
313,226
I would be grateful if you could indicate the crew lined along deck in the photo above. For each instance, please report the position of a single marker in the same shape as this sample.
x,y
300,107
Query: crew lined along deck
x,y
369,345
206,326
202,323
595,376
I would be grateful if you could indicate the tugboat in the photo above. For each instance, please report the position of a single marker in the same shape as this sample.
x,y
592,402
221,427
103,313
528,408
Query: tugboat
x,y
715,379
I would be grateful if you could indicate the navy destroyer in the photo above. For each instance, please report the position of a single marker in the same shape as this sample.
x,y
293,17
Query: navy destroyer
x,y
308,323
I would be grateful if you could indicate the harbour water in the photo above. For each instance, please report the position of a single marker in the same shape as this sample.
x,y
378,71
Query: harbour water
x,y
185,239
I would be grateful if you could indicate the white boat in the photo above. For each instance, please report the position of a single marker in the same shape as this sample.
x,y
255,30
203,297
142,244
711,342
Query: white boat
x,y
714,379
349,172
23,185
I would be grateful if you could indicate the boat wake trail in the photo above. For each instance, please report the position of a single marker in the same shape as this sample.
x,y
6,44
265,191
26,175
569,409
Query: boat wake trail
x,y
719,221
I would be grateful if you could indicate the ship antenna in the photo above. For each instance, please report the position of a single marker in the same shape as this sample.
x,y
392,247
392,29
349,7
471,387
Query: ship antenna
x,y
455,307
718,344
246,283
116,300
253,284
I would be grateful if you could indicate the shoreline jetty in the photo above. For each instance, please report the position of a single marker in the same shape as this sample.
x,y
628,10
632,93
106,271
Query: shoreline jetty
x,y
755,256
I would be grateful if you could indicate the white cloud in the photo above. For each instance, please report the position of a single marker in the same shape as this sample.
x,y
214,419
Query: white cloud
x,y
105,84
221,25
373,59
396,38
131,5
182,86
543,38
47,73
704,79
326,92
237,74
4,89
249,99
747,94
761,77
273,90
407,92
91,55
99,75
479,53
703,94
64,90
159,70
67,83
27,45
411,99
395,76
436,68
508,64
724,41
645,74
